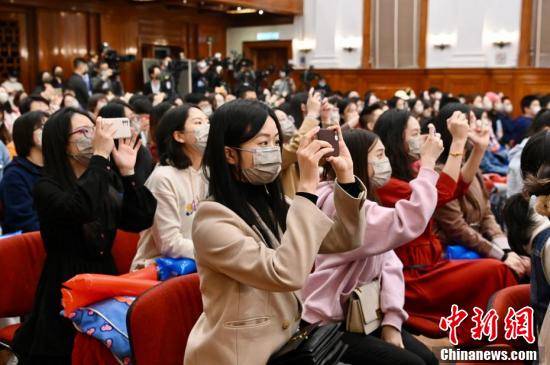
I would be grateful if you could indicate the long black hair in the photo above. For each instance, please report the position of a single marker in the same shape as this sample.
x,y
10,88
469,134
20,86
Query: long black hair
x,y
114,110
440,123
231,125
296,107
535,154
55,138
157,112
518,217
23,131
170,151
390,127
359,142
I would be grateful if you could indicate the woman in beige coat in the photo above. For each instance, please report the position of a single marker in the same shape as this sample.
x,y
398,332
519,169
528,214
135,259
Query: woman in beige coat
x,y
253,250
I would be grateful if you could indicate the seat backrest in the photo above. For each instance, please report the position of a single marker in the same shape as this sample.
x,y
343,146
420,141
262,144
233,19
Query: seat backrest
x,y
160,321
21,261
124,250
516,297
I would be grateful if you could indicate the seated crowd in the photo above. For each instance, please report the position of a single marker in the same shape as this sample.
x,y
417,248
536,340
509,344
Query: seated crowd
x,y
282,229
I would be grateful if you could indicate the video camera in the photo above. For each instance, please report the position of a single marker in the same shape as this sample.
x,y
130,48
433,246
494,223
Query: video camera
x,y
113,59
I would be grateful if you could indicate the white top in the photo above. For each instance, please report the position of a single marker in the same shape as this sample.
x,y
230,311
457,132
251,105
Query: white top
x,y
178,193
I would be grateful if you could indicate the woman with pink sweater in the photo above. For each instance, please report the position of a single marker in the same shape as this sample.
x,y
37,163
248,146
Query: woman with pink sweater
x,y
336,276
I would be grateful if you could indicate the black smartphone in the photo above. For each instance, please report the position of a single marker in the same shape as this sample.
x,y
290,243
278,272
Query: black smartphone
x,y
330,136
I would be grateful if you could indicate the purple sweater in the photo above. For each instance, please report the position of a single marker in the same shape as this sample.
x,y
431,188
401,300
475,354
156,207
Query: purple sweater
x,y
336,275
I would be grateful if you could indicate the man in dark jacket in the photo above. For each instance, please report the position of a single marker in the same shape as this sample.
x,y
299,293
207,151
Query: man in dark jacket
x,y
79,82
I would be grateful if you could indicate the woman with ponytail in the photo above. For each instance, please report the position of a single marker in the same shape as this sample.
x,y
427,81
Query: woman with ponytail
x,y
529,224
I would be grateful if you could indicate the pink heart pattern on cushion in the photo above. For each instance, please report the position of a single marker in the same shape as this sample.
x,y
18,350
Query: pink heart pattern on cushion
x,y
90,331
106,328
108,343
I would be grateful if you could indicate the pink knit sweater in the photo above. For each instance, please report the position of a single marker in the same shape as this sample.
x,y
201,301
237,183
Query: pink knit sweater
x,y
336,275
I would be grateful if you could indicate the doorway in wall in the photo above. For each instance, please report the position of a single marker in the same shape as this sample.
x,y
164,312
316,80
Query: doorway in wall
x,y
268,55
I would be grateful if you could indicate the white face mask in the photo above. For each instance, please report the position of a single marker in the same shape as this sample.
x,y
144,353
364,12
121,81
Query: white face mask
x,y
267,165
414,147
535,109
382,173
487,105
418,109
287,127
4,97
201,136
207,110
508,108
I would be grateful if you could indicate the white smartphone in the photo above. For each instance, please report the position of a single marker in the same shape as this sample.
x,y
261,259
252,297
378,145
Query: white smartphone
x,y
122,125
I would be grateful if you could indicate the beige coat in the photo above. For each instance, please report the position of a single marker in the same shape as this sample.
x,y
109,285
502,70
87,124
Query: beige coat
x,y
249,291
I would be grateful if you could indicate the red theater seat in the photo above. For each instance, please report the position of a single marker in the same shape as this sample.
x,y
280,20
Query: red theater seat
x,y
21,260
124,250
160,320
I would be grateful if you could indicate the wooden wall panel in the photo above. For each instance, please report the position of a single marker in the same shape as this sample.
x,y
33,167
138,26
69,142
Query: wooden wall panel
x,y
524,54
514,83
59,30
275,6
62,36
218,36
122,35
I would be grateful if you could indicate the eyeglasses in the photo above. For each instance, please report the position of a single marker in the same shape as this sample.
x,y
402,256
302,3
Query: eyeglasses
x,y
85,131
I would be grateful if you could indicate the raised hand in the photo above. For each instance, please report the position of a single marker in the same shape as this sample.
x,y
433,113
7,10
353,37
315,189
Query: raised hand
x,y
125,155
458,126
431,149
309,154
103,142
313,105
479,133
342,164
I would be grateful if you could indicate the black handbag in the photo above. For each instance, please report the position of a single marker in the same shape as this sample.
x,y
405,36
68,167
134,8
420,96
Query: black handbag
x,y
312,345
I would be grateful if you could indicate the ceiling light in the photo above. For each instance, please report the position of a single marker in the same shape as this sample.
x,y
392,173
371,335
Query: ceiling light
x,y
241,10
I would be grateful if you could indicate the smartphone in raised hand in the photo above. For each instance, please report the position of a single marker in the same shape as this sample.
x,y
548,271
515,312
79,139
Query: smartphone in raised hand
x,y
122,127
330,136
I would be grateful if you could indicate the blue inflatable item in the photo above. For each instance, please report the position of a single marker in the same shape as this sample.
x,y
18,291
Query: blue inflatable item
x,y
106,322
458,252
169,268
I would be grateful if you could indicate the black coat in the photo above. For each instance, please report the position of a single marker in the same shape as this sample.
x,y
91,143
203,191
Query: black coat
x,y
78,226
77,84
165,87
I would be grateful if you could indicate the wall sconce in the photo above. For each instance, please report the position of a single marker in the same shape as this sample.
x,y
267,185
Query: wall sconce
x,y
350,44
304,45
442,46
501,44
442,41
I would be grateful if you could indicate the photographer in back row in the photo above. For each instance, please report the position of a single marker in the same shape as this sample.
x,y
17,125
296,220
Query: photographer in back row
x,y
106,81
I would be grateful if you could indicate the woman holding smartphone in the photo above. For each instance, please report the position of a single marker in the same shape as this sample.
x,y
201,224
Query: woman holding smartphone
x,y
79,212
254,250
329,288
